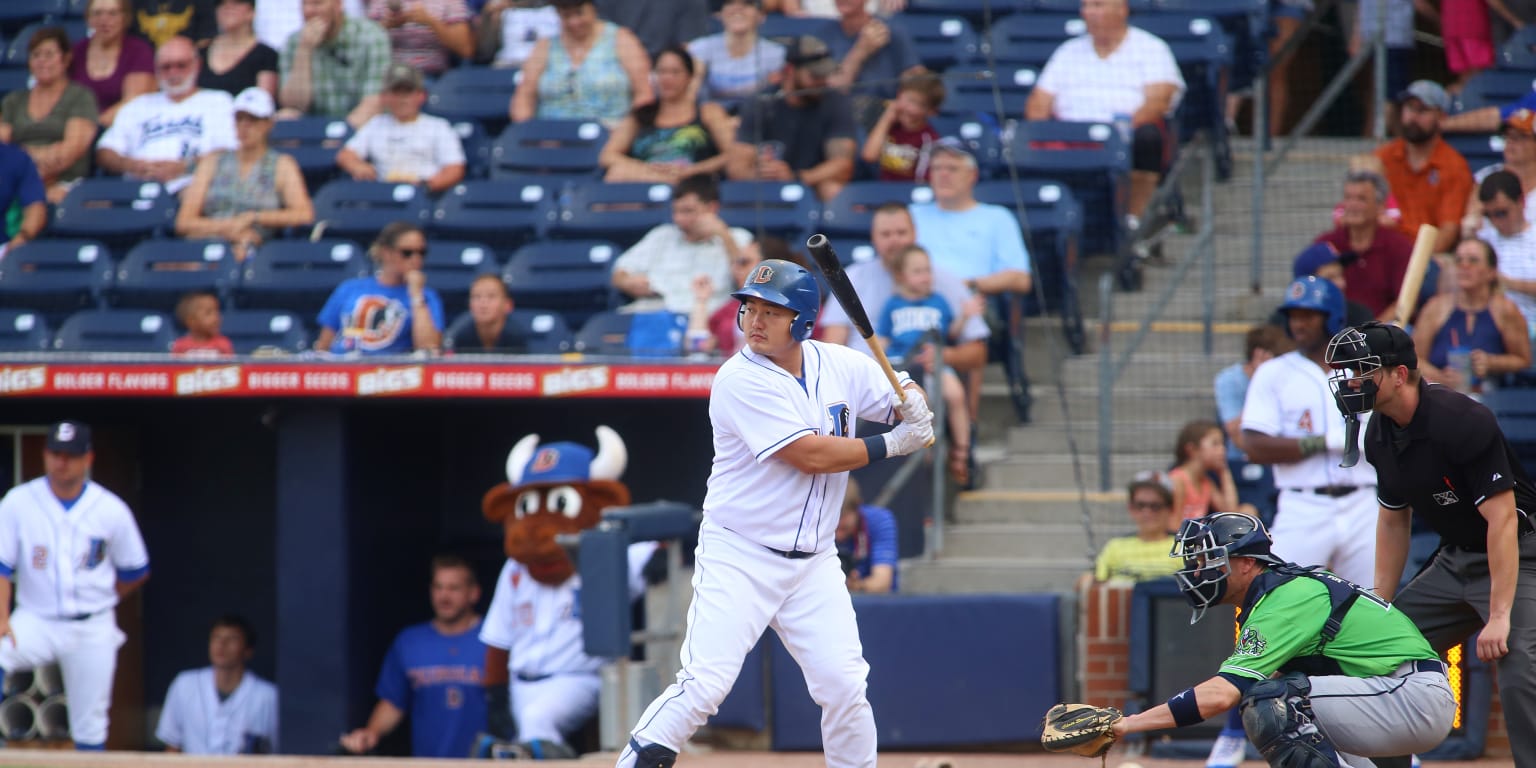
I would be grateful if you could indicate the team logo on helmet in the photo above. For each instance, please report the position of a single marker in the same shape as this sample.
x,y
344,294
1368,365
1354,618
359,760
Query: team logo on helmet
x,y
1298,289
763,274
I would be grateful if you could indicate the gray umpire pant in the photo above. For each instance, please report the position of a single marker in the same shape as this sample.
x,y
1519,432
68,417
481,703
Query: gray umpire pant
x,y
1408,711
1449,603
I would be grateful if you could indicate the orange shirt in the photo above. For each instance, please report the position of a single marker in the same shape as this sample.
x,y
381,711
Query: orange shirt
x,y
1435,195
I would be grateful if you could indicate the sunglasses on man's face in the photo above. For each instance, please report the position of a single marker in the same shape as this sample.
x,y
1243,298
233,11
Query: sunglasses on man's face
x,y
411,253
1147,505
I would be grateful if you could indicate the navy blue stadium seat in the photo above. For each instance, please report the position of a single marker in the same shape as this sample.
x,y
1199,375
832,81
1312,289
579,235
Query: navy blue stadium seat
x,y
119,212
1092,159
298,275
56,277
979,12
477,148
1072,6
478,94
544,332
1519,51
14,79
116,330
971,89
784,210
23,331
16,44
941,41
849,214
571,277
357,210
155,273
611,333
556,147
1053,224
502,214
451,265
313,143
1204,53
621,212
15,14
249,330
778,26
1033,28
979,136
1480,149
1495,88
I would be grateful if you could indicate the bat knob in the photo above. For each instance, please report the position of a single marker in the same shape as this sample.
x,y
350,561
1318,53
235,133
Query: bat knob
x,y
817,240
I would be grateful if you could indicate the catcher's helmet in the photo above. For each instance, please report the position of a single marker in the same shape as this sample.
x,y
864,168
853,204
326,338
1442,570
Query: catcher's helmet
x,y
1316,293
1205,544
1358,351
788,285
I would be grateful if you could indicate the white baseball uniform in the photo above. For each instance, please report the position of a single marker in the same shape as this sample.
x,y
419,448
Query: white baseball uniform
x,y
196,721
1327,513
554,683
66,564
766,554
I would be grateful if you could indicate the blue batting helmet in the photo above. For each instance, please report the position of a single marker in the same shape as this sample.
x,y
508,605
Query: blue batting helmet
x,y
788,285
1315,293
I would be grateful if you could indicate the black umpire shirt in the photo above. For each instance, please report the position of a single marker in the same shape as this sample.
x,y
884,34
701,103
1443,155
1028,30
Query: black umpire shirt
x,y
1445,462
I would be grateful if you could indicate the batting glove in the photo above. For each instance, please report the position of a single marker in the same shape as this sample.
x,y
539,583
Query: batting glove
x,y
914,408
909,436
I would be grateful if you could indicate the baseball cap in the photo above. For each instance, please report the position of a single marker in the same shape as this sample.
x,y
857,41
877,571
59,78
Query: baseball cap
x,y
1522,120
1390,343
1315,257
401,76
809,53
69,437
255,102
1427,91
559,463
950,145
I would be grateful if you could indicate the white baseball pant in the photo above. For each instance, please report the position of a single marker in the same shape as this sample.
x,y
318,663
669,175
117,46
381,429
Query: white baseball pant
x,y
86,652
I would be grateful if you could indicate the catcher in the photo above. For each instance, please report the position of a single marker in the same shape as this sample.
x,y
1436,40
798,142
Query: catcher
x,y
1326,674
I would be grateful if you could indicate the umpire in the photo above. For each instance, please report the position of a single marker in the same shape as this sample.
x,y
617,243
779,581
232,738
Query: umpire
x,y
1441,454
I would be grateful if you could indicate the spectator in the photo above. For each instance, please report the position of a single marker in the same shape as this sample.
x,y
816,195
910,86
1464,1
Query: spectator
x,y
673,137
828,9
1375,256
401,144
1519,134
110,63
423,34
1115,72
1468,36
592,70
1200,454
866,544
1513,239
712,322
161,20
160,136
224,708
1391,215
392,311
333,66
1325,261
659,24
737,63
978,242
489,306
1288,18
1143,556
900,142
198,312
59,142
665,262
872,58
509,29
277,20
433,672
1255,482
1469,336
21,187
804,134
250,194
235,60
1429,178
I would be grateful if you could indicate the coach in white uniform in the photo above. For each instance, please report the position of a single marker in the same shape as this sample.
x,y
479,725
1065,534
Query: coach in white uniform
x,y
784,411
223,708
73,549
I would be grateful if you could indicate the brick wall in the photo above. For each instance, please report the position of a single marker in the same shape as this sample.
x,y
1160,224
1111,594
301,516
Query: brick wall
x,y
1104,644
1497,744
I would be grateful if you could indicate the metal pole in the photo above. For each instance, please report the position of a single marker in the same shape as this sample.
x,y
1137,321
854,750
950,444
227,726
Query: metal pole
x,y
1106,377
1260,145
1208,258
1379,128
1336,86
933,543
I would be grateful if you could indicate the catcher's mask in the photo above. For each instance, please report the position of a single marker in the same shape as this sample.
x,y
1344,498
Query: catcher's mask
x,y
1356,353
1206,545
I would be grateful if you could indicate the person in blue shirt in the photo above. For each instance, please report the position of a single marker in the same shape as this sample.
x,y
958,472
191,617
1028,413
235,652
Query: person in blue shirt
x,y
21,189
435,671
866,544
392,312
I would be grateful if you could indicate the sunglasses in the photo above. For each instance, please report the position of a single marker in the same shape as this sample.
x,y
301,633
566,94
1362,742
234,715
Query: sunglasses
x,y
411,253
1147,505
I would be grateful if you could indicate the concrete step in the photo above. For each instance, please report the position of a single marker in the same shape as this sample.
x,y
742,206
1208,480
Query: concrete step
x,y
1027,541
1143,436
1033,471
1039,507
1151,369
991,575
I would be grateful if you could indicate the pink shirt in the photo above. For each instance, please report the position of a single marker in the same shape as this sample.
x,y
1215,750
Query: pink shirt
x,y
1465,19
136,55
415,44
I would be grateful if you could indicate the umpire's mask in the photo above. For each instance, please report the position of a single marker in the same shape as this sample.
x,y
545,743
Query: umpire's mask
x,y
1206,545
1359,351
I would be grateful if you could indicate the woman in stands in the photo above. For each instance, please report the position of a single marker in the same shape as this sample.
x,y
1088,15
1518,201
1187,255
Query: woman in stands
x,y
592,70
1465,337
114,65
245,196
391,312
235,60
737,63
673,137
55,119
425,34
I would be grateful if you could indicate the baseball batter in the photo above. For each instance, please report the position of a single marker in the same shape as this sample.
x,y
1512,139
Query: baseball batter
x,y
73,549
783,411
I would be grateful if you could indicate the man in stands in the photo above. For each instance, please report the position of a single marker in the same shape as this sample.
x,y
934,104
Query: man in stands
x,y
664,264
334,65
872,58
803,133
1430,180
1377,256
400,144
21,187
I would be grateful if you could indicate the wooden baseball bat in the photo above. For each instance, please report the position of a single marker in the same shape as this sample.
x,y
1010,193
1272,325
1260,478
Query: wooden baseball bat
x,y
1413,279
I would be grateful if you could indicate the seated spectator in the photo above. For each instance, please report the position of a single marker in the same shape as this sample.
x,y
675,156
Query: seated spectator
x,y
737,63
1325,261
1398,35
660,24
198,312
978,242
1115,72
333,66
1391,214
489,306
160,136
872,57
712,323
21,188
828,9
235,60
663,265
112,64
1144,555
902,138
425,34
248,195
1469,336
401,144
1375,257
224,708
1200,454
1513,239
1519,134
160,20
1429,178
592,70
673,137
806,133
1255,482
277,20
866,544
390,312
59,141
509,29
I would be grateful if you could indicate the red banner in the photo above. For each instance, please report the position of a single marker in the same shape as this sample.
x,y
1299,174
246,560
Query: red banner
x,y
286,379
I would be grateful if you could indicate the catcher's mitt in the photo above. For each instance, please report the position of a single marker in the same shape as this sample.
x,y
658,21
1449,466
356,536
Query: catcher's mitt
x,y
1080,729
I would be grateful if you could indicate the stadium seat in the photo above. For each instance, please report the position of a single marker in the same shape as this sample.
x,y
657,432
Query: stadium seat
x,y
15,14
555,147
502,214
621,212
978,12
545,333
1023,28
1053,227
357,210
476,94
16,45
979,137
477,148
23,331
941,41
1480,149
452,265
250,330
1204,53
1091,159
971,105
14,79
1072,6
1495,88
119,212
784,210
571,277
849,214
778,26
313,143
156,273
116,330
298,275
612,333
971,88
1519,51
56,277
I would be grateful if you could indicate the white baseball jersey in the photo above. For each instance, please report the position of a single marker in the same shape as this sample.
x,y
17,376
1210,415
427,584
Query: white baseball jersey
x,y
1290,396
153,127
757,408
540,625
67,563
195,721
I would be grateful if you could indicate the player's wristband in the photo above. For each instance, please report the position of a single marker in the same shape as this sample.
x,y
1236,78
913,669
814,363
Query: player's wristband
x,y
875,447
1186,711
1312,444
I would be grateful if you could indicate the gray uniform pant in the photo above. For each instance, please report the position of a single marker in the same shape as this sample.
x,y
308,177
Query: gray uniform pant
x,y
1408,711
1449,603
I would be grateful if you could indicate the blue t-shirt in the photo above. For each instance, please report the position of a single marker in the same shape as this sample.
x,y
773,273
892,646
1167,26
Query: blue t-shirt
x,y
874,544
20,183
373,318
1231,389
904,321
982,240
438,679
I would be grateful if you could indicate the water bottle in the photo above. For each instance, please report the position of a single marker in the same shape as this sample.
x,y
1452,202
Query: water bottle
x,y
1459,359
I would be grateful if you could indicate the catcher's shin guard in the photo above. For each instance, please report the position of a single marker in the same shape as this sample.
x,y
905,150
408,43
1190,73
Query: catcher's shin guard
x,y
1277,716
